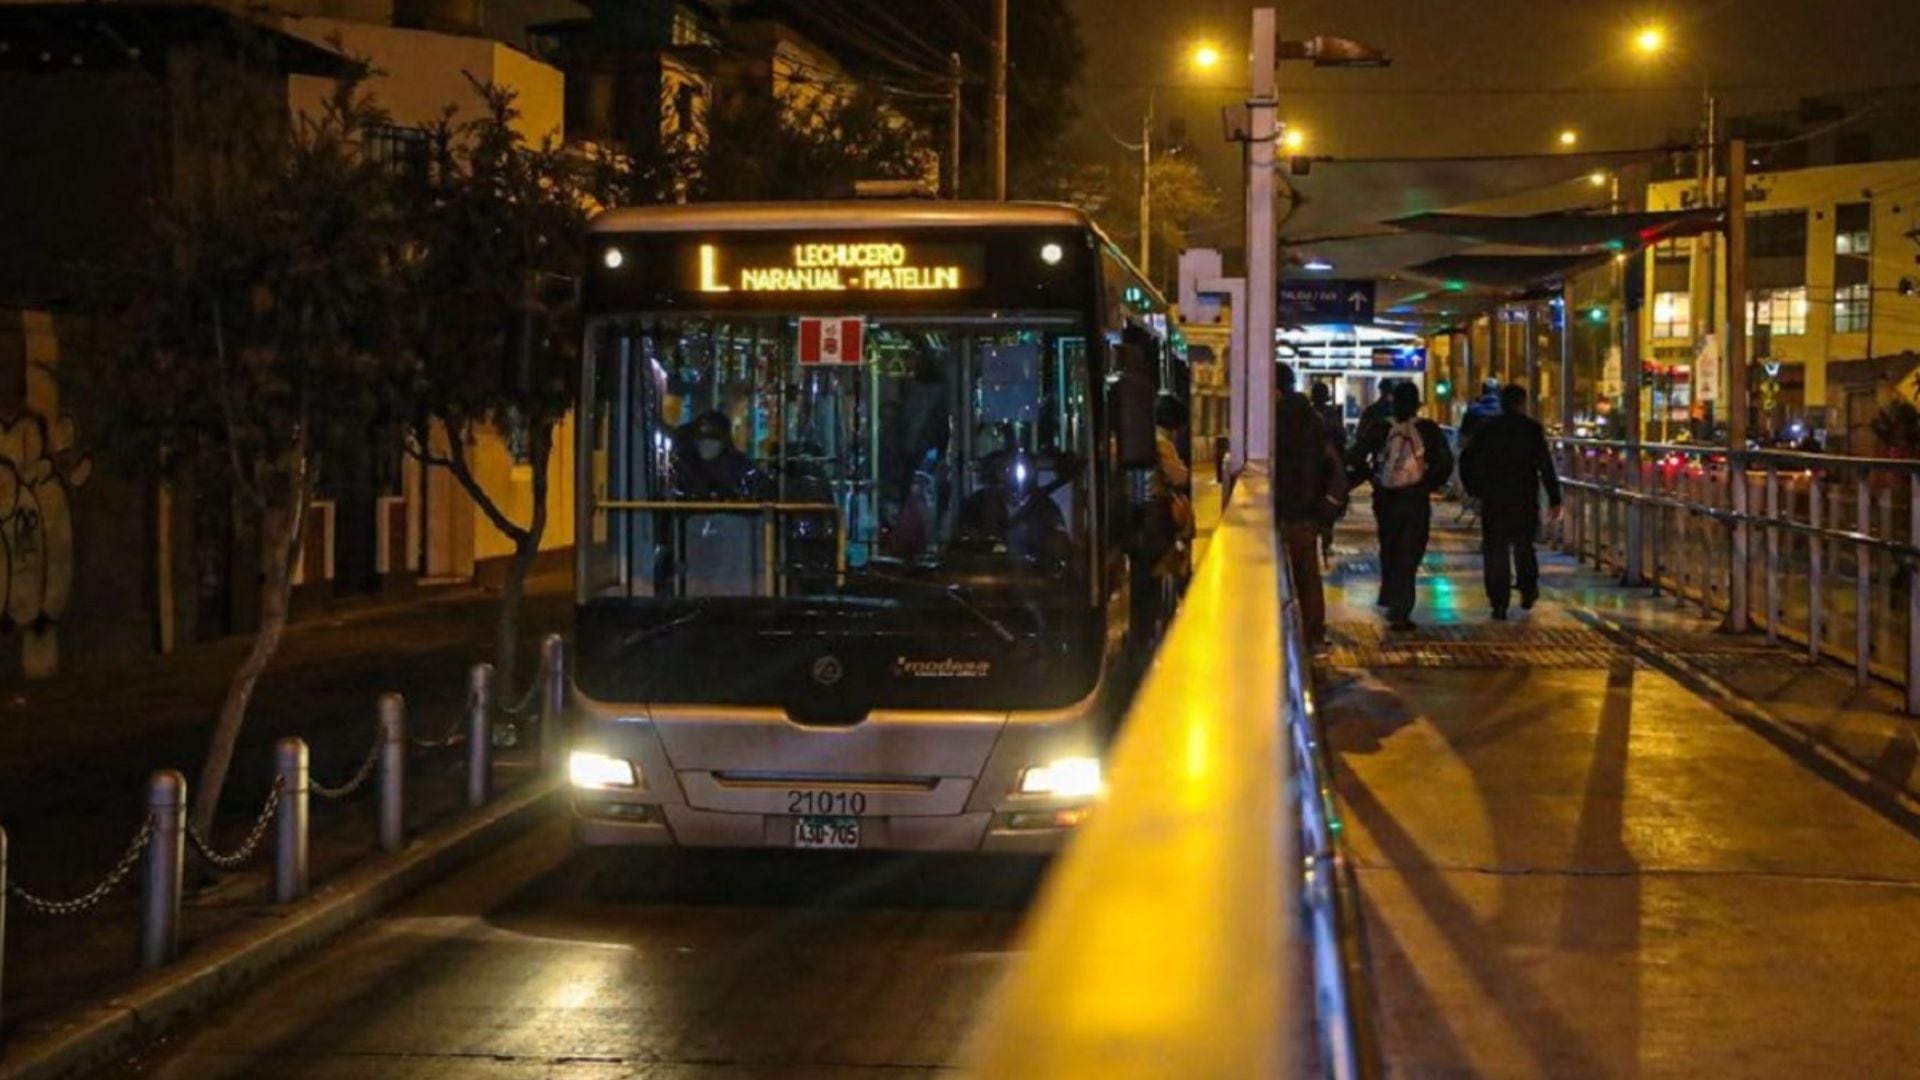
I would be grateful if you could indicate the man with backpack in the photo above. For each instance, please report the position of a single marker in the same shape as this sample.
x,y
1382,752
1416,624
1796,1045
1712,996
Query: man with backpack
x,y
1406,459
1309,494
1505,467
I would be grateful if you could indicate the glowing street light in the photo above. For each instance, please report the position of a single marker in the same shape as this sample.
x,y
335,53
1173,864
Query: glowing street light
x,y
1569,138
1295,140
1206,57
1651,39
1598,179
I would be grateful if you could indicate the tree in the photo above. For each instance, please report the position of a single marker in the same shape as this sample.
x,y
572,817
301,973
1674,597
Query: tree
x,y
259,336
761,146
499,226
1181,199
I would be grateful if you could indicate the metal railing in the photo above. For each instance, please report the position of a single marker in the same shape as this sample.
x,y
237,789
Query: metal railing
x,y
1203,921
1816,549
165,835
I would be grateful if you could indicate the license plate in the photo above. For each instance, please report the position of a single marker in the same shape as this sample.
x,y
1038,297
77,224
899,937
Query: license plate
x,y
826,832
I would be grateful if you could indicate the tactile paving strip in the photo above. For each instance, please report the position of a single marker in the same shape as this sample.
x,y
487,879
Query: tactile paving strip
x,y
1369,645
1510,645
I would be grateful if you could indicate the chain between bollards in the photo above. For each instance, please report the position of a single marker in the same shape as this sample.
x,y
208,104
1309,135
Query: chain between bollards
x,y
290,840
479,735
166,856
553,699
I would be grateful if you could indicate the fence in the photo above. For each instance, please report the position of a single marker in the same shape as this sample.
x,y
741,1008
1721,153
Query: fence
x,y
1814,549
161,841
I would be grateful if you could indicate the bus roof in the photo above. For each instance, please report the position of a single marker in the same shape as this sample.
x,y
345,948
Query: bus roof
x,y
838,214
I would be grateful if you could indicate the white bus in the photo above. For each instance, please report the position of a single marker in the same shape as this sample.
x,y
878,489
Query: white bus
x,y
868,547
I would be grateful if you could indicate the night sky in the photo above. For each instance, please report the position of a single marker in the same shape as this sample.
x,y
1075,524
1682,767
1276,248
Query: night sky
x,y
1492,76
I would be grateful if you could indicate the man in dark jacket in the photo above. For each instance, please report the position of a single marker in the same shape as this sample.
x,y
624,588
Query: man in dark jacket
x,y
1406,459
1485,408
1505,467
1309,491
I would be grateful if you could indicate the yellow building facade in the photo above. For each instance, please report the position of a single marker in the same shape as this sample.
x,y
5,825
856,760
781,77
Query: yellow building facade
x,y
1832,307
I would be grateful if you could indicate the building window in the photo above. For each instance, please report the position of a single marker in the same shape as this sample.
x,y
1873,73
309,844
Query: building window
x,y
1673,315
1852,308
1853,229
1777,234
403,150
1782,311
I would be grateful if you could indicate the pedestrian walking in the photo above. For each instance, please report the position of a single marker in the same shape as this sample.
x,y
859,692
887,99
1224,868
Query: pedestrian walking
x,y
1483,409
1309,493
1382,407
1336,425
1506,466
1406,459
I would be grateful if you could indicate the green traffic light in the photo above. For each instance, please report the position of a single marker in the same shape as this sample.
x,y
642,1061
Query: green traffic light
x,y
1443,388
1598,314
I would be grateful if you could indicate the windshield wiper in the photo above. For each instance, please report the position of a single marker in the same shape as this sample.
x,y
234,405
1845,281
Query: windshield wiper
x,y
950,590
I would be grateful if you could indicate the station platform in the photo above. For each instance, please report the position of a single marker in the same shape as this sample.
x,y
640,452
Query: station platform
x,y
1606,839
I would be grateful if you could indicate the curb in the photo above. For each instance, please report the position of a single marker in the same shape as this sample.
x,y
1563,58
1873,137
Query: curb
x,y
92,1034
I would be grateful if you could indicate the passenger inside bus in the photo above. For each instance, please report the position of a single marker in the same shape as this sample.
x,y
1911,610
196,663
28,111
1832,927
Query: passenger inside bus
x,y
707,465
1013,511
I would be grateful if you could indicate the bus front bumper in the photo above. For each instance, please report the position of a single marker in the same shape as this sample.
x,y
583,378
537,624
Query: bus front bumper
x,y
598,824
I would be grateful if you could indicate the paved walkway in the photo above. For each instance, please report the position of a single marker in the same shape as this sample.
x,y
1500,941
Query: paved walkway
x,y
1605,840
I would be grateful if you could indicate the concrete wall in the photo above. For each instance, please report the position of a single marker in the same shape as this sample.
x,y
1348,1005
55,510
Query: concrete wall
x,y
423,73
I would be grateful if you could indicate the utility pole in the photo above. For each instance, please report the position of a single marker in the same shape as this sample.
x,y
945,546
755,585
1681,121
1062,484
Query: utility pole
x,y
1261,241
1000,100
1146,188
953,125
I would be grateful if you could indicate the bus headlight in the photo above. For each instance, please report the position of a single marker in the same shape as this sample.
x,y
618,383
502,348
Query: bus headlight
x,y
590,770
1070,778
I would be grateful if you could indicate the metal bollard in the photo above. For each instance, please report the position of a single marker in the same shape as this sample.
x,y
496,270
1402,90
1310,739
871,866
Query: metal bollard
x,y
166,855
393,772
479,735
290,840
553,699
3,929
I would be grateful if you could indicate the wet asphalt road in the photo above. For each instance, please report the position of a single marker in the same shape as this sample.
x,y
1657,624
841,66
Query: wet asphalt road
x,y
540,961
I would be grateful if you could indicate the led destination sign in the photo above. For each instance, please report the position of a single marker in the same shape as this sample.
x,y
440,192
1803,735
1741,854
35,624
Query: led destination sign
x,y
865,266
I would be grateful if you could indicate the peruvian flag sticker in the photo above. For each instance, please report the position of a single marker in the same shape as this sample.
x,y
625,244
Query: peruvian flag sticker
x,y
834,340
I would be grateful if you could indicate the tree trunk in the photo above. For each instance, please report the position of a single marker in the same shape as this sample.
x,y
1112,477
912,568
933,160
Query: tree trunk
x,y
281,531
526,549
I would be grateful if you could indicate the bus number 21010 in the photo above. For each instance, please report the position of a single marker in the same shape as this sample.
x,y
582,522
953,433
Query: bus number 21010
x,y
844,803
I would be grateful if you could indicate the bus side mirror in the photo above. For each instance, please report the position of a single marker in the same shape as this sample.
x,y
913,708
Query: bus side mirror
x,y
1131,396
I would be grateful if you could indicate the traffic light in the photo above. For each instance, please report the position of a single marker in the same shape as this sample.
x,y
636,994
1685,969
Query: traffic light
x,y
1443,389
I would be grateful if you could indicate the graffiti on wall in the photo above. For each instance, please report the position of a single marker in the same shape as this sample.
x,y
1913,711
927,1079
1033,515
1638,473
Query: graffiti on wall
x,y
40,469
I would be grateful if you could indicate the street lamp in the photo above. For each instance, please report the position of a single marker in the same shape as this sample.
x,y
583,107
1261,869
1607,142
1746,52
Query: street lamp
x,y
1651,41
1206,57
1295,140
1569,138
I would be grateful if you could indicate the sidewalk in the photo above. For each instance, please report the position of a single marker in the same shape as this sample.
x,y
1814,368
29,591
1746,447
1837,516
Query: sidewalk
x,y
1604,839
75,753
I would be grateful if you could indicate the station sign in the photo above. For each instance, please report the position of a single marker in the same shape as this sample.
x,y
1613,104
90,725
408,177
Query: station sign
x,y
1330,300
827,266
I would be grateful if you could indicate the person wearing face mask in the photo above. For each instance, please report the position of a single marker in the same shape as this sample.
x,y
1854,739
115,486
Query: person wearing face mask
x,y
706,464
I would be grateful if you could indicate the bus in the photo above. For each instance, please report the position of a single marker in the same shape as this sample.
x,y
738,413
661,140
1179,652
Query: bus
x,y
868,545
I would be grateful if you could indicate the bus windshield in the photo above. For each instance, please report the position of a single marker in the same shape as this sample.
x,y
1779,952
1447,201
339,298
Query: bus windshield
x,y
923,462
